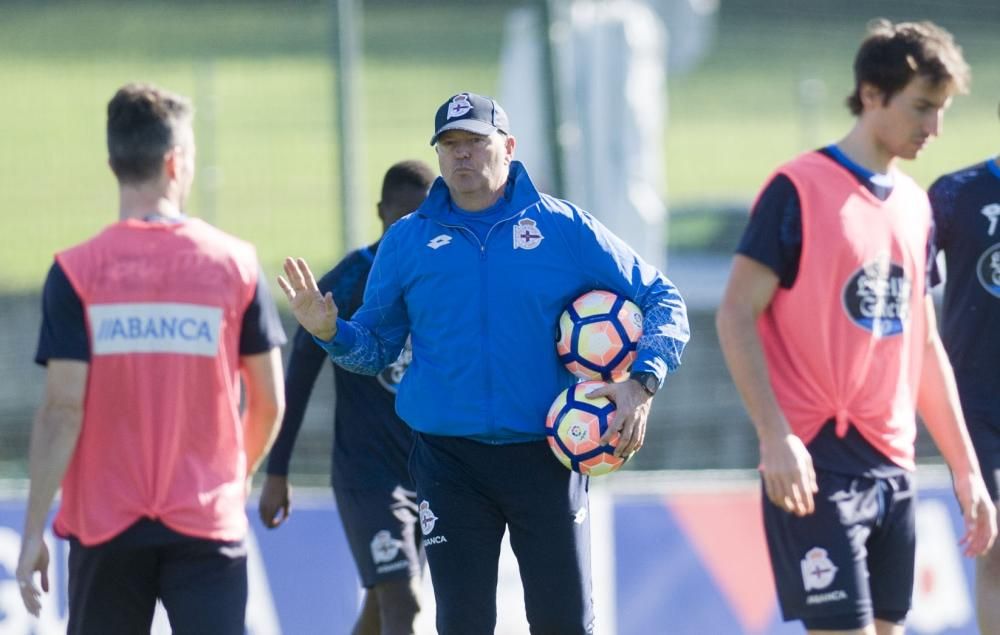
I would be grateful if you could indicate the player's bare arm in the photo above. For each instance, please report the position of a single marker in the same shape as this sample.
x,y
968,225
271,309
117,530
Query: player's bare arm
x,y
786,466
316,312
53,439
265,399
275,504
939,406
632,404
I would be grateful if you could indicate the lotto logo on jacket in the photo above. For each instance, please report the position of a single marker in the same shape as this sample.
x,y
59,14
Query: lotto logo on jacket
x,y
155,328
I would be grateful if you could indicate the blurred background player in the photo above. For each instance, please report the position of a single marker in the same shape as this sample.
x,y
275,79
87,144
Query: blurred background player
x,y
375,495
966,208
147,330
477,278
830,337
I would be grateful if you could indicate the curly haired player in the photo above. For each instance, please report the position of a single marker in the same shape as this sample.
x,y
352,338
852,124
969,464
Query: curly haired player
x,y
830,336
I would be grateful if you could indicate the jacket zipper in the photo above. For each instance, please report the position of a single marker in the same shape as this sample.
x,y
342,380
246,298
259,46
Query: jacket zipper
x,y
484,309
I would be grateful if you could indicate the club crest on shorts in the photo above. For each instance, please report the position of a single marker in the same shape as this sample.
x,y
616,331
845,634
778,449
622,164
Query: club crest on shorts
x,y
526,234
818,570
459,106
384,547
427,518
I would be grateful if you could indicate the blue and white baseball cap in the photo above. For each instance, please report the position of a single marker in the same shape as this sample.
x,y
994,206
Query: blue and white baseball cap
x,y
470,112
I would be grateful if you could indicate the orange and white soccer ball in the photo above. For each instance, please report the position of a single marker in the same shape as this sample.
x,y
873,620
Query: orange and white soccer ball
x,y
574,427
598,334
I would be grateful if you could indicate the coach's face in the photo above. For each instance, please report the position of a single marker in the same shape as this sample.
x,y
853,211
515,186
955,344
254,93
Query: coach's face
x,y
474,166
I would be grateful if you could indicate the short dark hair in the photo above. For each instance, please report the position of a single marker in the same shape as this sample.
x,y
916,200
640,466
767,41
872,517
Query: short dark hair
x,y
891,55
144,122
405,175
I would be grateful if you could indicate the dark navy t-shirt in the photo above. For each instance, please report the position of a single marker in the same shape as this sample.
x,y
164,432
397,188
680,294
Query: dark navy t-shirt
x,y
773,237
64,329
371,444
966,207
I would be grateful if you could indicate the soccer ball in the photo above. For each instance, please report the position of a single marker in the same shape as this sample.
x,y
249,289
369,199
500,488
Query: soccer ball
x,y
574,427
598,333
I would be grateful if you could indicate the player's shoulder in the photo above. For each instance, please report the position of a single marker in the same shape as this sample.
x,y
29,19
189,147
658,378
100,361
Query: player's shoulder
x,y
360,258
208,234
947,188
812,167
356,260
815,159
962,177
415,223
107,234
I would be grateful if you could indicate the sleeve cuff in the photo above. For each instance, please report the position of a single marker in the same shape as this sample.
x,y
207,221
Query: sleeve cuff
x,y
343,340
652,365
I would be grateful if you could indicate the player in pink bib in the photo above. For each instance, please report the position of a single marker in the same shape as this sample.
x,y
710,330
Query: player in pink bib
x,y
830,337
148,329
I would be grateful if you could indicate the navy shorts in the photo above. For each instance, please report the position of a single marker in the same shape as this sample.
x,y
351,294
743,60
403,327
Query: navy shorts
x,y
113,586
382,531
850,561
469,494
984,430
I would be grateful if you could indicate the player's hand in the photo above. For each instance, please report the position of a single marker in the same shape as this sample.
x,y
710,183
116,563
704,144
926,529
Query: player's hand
x,y
979,513
34,557
275,504
789,477
317,313
632,405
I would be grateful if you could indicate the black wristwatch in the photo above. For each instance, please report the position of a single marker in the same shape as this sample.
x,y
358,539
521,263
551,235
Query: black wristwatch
x,y
648,381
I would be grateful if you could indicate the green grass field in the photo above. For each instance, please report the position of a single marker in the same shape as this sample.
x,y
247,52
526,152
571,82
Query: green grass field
x,y
262,80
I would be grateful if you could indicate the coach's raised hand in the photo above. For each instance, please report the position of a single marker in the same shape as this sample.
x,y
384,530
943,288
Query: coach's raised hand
x,y
317,313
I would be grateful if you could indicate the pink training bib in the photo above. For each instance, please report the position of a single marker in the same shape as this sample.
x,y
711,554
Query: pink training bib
x,y
847,340
162,435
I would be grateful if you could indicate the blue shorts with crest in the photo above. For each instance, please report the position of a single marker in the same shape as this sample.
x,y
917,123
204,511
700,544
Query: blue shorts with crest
x,y
850,561
382,531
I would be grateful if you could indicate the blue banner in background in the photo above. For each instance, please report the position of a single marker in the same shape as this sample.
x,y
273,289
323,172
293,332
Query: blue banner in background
x,y
669,558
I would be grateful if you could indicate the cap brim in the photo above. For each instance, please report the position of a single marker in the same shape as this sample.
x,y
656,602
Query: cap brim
x,y
469,125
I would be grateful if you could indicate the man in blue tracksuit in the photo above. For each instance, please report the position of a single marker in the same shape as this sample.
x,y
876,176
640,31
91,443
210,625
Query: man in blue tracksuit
x,y
477,277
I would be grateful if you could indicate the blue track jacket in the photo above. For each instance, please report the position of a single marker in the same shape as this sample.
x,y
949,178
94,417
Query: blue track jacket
x,y
483,315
